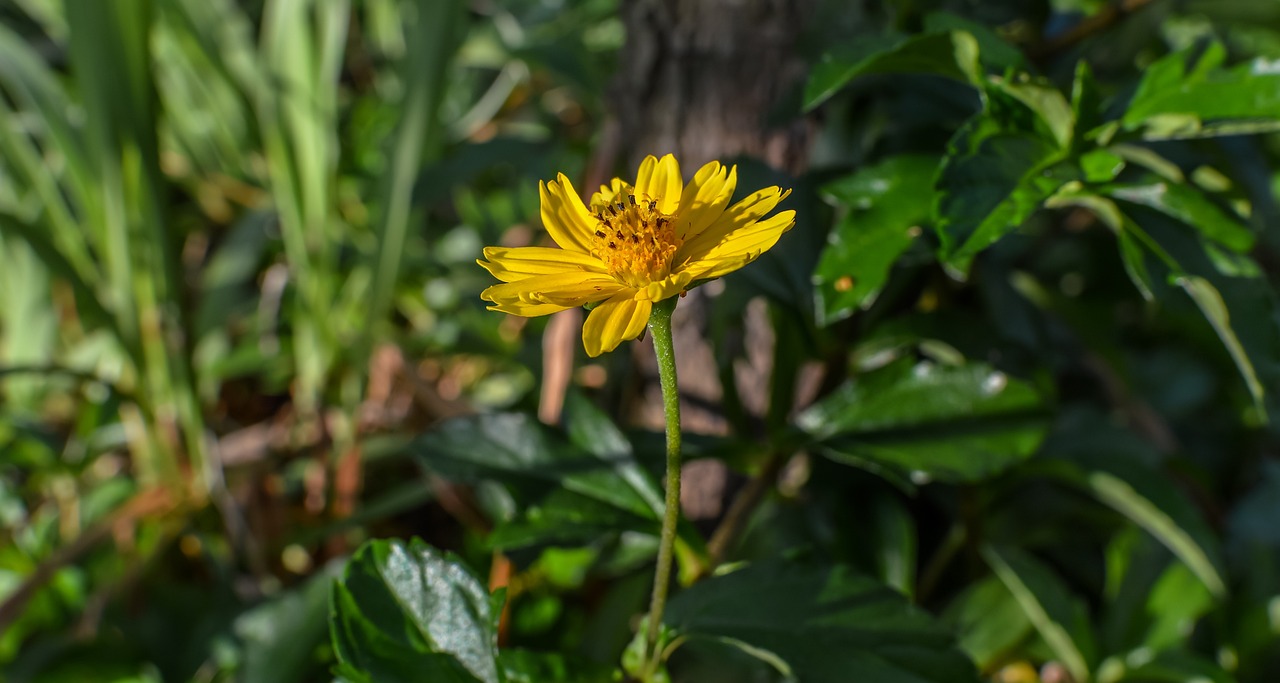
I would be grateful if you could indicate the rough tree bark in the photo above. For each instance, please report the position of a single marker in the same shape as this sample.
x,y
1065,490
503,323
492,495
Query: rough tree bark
x,y
700,78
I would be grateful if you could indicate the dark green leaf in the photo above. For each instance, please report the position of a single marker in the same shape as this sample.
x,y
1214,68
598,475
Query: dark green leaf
x,y
1000,167
280,637
951,55
937,422
1210,302
989,622
1129,237
994,52
1054,115
884,217
1058,616
523,666
515,448
820,624
1112,470
573,489
407,613
1166,667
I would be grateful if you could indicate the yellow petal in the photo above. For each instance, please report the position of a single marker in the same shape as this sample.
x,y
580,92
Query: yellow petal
x,y
739,216
564,216
710,270
742,247
756,237
610,193
665,289
620,318
510,264
561,289
660,180
528,310
704,199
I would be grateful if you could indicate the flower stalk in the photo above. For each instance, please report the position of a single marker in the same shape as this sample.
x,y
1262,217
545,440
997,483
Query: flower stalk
x,y
664,349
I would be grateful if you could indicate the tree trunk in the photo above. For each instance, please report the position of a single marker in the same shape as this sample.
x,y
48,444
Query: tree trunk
x,y
700,79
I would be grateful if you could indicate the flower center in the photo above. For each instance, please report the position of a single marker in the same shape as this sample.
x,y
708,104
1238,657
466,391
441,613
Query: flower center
x,y
635,241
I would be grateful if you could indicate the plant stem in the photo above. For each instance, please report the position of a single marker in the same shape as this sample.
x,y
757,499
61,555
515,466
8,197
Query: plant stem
x,y
664,349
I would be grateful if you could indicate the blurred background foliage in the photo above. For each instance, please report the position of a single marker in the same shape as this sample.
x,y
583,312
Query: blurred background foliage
x,y
1002,407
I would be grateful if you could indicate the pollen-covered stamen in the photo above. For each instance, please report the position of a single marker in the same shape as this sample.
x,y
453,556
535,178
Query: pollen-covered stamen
x,y
635,241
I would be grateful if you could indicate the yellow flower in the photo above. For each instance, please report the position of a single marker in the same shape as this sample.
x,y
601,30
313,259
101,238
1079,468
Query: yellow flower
x,y
635,246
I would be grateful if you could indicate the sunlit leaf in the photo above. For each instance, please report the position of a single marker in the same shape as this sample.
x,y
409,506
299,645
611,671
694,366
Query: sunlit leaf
x,y
884,217
1189,94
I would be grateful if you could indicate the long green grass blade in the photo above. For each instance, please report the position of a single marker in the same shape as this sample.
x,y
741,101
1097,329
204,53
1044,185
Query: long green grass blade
x,y
432,39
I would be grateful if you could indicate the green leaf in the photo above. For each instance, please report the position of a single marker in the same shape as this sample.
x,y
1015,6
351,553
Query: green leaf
x,y
1101,165
572,489
952,55
1129,236
884,218
1000,167
820,624
1187,94
935,422
1165,667
1210,302
1054,114
1057,615
989,622
893,537
514,448
408,613
523,666
281,636
994,52
1176,601
1086,102
1109,467
1187,204
432,36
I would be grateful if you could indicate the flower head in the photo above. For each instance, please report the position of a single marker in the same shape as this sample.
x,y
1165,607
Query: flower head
x,y
635,245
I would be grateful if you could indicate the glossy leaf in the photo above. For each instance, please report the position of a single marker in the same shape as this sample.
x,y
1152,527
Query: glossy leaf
x,y
936,422
820,624
884,218
952,55
405,612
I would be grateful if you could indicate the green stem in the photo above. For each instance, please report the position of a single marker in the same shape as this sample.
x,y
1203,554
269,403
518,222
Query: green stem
x,y
664,349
